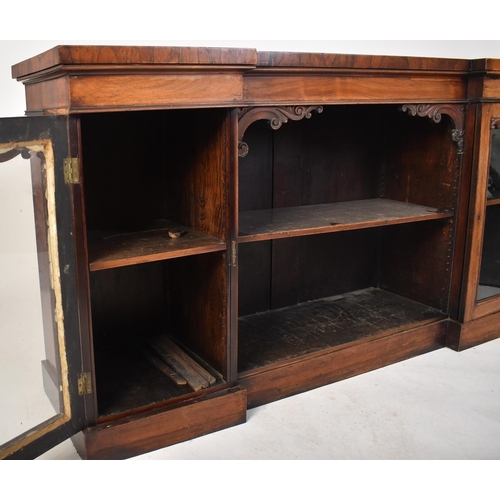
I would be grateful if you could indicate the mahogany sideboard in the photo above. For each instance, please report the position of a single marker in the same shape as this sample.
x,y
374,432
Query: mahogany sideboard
x,y
221,228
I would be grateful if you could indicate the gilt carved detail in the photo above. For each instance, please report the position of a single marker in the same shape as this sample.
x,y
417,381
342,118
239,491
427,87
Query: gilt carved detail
x,y
435,112
275,115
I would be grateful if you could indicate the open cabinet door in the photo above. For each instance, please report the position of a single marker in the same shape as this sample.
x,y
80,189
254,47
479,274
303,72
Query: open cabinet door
x,y
40,351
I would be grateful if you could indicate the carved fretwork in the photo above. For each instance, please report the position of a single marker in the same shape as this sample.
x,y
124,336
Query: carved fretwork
x,y
495,123
24,152
275,115
435,111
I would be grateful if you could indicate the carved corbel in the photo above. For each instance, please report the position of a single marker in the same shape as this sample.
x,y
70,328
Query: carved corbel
x,y
275,115
495,123
435,111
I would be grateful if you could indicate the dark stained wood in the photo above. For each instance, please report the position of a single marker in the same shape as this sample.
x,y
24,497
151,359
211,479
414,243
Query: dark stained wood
x,y
159,428
332,217
198,307
255,171
314,267
254,277
326,367
198,171
416,260
283,335
422,165
108,250
139,304
334,156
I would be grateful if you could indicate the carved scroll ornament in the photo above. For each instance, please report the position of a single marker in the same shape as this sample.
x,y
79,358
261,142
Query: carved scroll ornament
x,y
24,152
275,115
495,123
435,111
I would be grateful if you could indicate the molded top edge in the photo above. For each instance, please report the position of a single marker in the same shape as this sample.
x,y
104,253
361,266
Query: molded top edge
x,y
133,55
213,56
351,61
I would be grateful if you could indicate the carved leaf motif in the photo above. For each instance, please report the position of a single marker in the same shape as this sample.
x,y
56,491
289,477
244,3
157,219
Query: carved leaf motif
x,y
435,111
275,115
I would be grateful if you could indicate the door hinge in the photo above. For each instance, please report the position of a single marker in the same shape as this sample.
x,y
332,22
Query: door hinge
x,y
71,171
84,383
233,253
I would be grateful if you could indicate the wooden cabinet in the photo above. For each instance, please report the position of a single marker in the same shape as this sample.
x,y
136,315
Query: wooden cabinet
x,y
234,228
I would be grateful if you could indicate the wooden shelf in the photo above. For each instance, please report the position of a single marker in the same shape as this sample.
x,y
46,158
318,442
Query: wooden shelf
x,y
259,225
109,250
291,333
493,201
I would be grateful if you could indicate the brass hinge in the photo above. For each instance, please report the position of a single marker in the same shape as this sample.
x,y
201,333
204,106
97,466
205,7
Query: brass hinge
x,y
233,253
84,383
71,171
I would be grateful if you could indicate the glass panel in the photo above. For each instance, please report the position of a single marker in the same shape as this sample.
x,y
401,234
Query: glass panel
x,y
494,178
489,279
31,386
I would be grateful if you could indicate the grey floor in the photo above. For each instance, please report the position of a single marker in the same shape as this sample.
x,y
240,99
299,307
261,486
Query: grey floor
x,y
441,405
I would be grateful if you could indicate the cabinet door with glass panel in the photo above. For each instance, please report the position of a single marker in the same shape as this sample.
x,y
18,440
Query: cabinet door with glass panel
x,y
40,355
482,294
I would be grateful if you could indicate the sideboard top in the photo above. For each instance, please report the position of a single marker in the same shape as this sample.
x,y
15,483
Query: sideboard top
x,y
86,78
81,55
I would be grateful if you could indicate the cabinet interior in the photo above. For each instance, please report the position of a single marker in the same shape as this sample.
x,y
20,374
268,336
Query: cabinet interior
x,y
155,202
345,230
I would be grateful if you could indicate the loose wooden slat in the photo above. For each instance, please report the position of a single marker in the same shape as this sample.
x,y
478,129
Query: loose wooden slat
x,y
163,367
276,223
188,360
171,356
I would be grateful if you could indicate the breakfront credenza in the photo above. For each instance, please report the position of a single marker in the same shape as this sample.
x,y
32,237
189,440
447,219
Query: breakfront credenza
x,y
220,228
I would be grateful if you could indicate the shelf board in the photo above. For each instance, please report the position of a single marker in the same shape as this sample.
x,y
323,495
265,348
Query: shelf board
x,y
258,225
492,201
109,250
282,336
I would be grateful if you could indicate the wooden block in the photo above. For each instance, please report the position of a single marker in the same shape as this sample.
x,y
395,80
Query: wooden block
x,y
177,233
